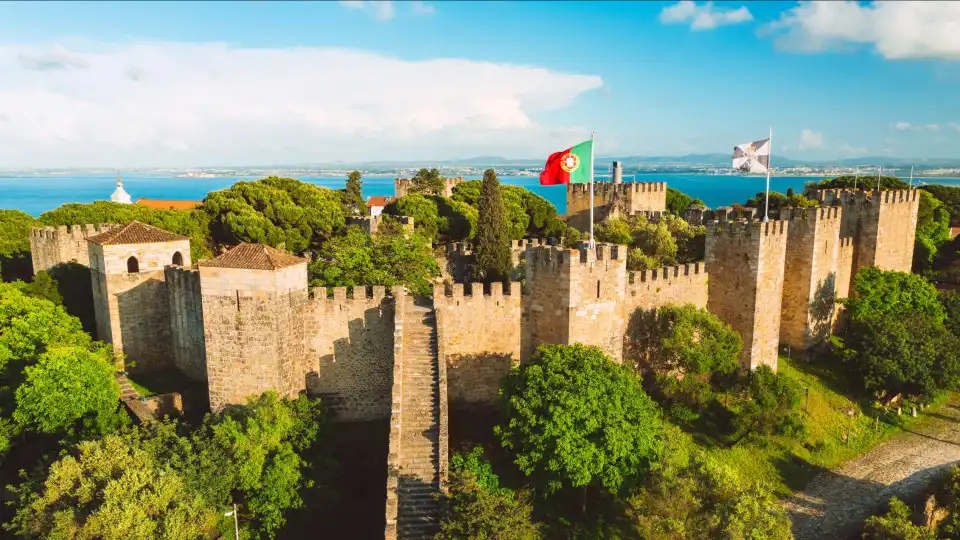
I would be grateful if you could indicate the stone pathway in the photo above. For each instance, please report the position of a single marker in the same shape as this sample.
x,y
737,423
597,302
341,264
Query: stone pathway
x,y
835,503
127,392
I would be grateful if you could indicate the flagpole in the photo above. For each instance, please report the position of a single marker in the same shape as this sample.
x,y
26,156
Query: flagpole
x,y
911,176
857,177
878,177
766,210
592,137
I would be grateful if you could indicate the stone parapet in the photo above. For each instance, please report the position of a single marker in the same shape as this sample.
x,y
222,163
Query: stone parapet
x,y
50,246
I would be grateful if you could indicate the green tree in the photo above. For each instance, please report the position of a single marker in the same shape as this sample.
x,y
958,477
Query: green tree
x,y
388,258
895,525
70,388
678,201
114,488
194,223
877,293
574,418
423,210
42,286
933,231
427,182
280,212
768,406
477,507
493,241
528,214
863,181
15,260
352,196
949,196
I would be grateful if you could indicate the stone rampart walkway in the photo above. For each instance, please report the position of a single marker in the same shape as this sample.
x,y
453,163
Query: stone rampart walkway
x,y
835,503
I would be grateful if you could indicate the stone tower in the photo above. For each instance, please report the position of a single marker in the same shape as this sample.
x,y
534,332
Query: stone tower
x,y
612,198
574,296
883,225
254,299
129,290
810,275
745,261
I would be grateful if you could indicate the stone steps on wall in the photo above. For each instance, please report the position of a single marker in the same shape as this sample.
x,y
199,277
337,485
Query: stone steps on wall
x,y
419,454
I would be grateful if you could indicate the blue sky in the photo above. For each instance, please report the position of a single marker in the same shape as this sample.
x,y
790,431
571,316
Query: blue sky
x,y
181,83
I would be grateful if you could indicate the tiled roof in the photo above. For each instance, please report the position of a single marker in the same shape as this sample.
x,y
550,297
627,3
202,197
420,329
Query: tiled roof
x,y
254,257
134,233
378,201
166,204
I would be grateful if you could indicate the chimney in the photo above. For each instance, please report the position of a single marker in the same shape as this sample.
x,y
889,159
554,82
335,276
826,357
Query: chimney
x,y
617,172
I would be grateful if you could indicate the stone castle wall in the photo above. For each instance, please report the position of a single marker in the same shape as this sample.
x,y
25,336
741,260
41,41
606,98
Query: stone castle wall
x,y
810,275
350,342
597,284
883,225
745,261
401,186
50,246
479,338
186,321
132,308
650,289
254,331
611,199
844,266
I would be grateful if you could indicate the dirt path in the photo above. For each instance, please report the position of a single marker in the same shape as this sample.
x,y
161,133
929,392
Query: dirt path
x,y
835,503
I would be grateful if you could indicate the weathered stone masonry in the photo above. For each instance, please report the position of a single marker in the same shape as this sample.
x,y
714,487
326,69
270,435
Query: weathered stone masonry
x,y
50,246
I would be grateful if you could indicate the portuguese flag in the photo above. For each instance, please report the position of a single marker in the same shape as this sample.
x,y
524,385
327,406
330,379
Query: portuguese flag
x,y
570,166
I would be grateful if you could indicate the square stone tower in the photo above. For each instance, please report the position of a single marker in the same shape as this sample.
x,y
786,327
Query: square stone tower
x,y
612,199
130,292
883,225
745,261
575,296
810,276
254,299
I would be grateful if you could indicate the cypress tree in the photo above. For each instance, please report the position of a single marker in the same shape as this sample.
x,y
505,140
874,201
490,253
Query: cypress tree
x,y
493,237
353,195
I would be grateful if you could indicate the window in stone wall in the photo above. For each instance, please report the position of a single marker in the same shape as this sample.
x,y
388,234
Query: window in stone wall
x,y
598,288
177,259
133,266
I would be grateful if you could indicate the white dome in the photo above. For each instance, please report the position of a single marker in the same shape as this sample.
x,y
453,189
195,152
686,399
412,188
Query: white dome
x,y
120,195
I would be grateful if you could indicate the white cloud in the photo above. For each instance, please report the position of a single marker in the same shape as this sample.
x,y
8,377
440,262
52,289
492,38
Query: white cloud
x,y
810,139
382,10
896,30
703,16
422,8
954,126
847,149
907,126
208,103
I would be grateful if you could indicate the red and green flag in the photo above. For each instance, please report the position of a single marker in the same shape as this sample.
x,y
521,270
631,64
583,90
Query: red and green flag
x,y
570,166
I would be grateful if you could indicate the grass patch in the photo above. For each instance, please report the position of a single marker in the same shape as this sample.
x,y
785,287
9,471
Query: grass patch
x,y
838,429
141,389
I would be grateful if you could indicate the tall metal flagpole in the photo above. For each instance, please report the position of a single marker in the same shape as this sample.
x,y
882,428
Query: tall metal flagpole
x,y
878,177
766,210
857,177
592,137
911,176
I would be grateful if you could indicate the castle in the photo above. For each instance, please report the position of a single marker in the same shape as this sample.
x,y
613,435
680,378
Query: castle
x,y
246,321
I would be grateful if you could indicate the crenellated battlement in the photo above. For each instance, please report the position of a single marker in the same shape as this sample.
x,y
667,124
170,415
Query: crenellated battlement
x,y
897,196
666,273
343,294
71,232
845,242
401,186
521,245
811,214
475,291
577,190
748,228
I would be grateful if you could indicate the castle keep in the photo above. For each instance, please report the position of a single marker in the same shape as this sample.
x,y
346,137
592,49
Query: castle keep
x,y
247,321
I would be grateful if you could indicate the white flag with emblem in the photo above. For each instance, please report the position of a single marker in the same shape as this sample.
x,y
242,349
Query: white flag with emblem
x,y
752,157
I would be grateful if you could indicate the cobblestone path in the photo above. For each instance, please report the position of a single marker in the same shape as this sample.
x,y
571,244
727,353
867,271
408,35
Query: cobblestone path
x,y
835,503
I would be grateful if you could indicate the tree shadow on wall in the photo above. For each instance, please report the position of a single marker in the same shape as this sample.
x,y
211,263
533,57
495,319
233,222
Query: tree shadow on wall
x,y
16,266
822,307
358,375
73,282
638,341
145,325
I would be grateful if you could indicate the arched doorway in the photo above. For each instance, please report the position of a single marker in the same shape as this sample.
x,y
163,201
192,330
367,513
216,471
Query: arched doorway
x,y
177,259
133,266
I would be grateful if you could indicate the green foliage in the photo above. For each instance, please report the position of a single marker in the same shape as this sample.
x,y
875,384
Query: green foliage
x,y
15,245
877,293
388,258
777,202
576,418
895,525
280,212
493,242
528,214
668,242
70,387
950,197
116,488
427,182
863,181
694,495
154,482
352,196
933,231
42,286
950,300
769,407
477,508
423,210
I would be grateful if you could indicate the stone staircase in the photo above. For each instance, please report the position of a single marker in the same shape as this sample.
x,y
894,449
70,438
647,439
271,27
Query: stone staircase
x,y
418,453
